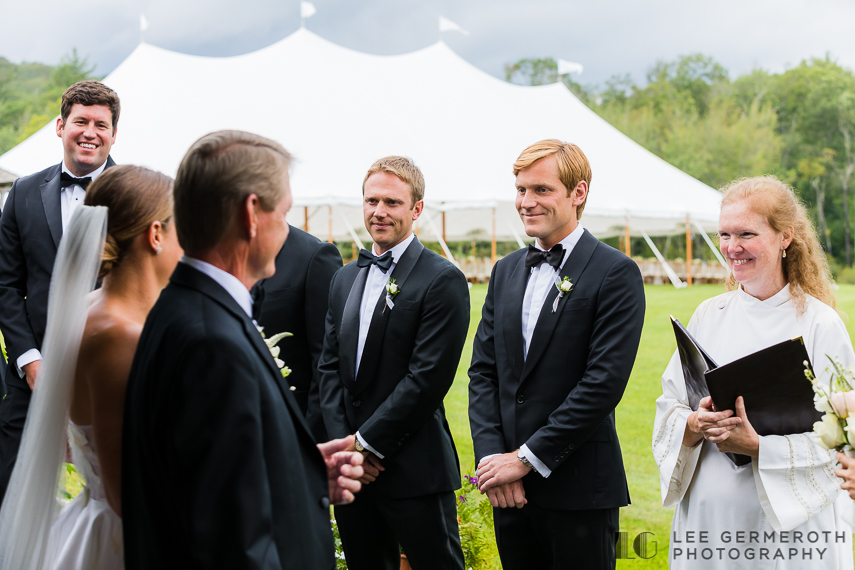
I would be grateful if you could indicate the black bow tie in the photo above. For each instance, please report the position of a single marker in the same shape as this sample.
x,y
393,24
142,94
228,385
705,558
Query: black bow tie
x,y
553,257
366,258
66,180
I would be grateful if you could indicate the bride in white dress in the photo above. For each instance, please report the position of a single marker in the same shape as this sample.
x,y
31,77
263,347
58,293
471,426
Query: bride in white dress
x,y
785,509
124,235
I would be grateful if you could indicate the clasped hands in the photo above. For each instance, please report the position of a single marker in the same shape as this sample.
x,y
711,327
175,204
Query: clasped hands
x,y
371,465
500,477
730,431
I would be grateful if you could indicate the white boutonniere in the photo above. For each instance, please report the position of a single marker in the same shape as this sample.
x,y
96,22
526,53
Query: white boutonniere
x,y
274,350
391,290
564,286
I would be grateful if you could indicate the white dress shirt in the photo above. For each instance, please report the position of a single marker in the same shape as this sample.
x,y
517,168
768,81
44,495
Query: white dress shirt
x,y
70,198
540,283
374,286
224,279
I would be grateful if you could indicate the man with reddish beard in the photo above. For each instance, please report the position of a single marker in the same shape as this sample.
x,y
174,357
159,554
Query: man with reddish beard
x,y
554,350
395,328
37,211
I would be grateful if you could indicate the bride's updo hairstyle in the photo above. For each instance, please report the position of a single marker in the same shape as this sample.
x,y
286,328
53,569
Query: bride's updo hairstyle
x,y
805,267
135,197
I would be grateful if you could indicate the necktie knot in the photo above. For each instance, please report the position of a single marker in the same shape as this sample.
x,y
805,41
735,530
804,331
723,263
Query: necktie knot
x,y
366,259
553,257
67,180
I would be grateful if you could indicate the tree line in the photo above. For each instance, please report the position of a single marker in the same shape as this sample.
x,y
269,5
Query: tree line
x,y
798,125
30,95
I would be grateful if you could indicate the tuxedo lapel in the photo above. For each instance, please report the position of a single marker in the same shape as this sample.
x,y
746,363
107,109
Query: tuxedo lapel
x,y
512,316
374,340
51,202
349,335
547,320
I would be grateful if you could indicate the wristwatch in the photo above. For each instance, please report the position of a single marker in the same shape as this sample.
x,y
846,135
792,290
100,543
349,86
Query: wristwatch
x,y
358,445
526,462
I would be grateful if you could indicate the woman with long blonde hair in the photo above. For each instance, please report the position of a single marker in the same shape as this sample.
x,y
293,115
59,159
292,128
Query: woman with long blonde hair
x,y
779,288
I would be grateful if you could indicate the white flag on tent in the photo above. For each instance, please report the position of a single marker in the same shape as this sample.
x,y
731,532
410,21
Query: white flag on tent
x,y
446,25
565,67
143,23
307,9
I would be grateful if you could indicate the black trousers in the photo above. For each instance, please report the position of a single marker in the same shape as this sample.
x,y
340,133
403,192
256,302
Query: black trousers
x,y
544,539
13,415
373,527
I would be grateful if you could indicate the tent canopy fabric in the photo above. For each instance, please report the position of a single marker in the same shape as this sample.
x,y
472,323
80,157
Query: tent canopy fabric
x,y
338,110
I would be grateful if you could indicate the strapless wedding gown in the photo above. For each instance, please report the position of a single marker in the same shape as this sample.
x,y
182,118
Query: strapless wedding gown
x,y
87,534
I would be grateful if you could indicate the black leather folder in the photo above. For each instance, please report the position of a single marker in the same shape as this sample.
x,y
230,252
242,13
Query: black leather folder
x,y
778,398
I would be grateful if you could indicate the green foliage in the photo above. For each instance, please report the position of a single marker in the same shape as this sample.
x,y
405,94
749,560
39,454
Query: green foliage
x,y
30,95
798,125
340,564
475,518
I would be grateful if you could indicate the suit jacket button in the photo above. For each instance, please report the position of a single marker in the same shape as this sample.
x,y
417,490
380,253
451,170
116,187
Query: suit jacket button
x,y
557,459
325,502
520,399
357,403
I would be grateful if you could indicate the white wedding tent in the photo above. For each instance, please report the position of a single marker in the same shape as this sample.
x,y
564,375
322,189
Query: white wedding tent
x,y
338,110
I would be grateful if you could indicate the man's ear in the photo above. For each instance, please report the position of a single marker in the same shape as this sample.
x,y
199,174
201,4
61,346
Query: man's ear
x,y
59,127
249,216
580,193
417,209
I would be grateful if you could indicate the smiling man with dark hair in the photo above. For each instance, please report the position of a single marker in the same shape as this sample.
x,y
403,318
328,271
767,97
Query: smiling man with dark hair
x,y
37,211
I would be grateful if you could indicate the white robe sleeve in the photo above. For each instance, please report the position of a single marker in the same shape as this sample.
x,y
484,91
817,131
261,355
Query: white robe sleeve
x,y
794,475
676,462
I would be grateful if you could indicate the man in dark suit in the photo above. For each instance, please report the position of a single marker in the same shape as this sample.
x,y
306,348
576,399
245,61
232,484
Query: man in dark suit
x,y
37,211
554,350
295,300
395,329
219,468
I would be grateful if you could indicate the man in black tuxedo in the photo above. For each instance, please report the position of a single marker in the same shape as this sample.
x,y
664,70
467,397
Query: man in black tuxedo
x,y
219,468
395,329
37,211
295,300
554,350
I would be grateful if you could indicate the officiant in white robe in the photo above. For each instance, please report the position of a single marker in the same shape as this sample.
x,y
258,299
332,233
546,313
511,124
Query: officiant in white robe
x,y
785,509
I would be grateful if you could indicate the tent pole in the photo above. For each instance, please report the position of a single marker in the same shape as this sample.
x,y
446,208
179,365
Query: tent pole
x,y
688,252
710,244
493,242
351,231
626,231
516,235
306,219
672,275
443,226
442,244
329,211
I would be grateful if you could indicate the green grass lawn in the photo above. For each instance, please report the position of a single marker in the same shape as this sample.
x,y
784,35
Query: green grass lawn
x,y
636,411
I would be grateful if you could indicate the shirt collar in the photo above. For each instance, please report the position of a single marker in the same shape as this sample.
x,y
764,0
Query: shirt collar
x,y
775,300
226,280
93,175
399,249
568,243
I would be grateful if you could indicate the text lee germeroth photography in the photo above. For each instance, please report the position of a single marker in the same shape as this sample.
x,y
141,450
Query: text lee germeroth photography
x,y
433,286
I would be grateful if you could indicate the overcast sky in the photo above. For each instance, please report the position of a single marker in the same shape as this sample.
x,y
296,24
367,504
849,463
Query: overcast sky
x,y
607,36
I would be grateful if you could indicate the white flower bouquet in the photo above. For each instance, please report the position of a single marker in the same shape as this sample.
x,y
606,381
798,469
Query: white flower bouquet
x,y
836,429
274,350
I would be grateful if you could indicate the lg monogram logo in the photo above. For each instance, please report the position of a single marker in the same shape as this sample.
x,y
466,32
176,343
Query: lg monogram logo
x,y
642,545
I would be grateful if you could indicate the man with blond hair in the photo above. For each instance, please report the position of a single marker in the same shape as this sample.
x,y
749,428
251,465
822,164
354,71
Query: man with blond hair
x,y
395,329
552,356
